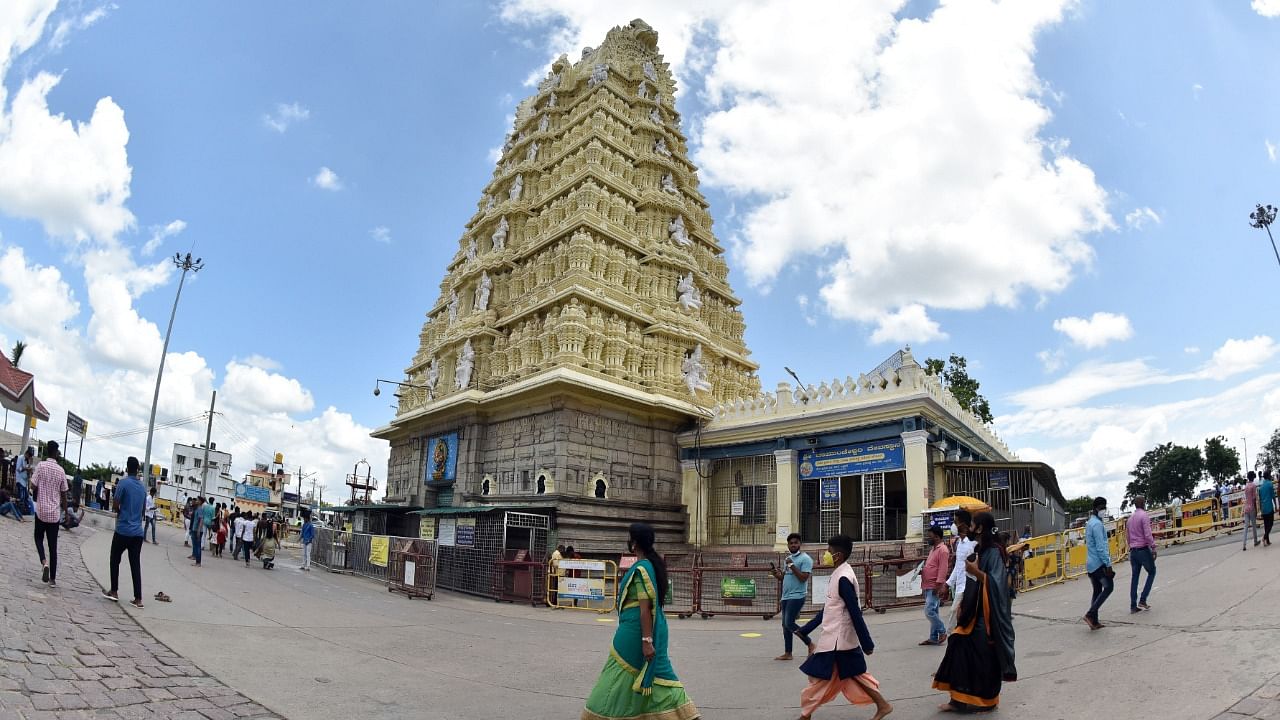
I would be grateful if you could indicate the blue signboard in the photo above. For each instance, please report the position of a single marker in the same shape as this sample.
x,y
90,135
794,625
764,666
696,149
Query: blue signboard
x,y
878,456
291,497
442,459
253,493
831,490
998,479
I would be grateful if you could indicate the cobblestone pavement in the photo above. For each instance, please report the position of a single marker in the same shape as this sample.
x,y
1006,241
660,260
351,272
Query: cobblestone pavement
x,y
67,652
1264,704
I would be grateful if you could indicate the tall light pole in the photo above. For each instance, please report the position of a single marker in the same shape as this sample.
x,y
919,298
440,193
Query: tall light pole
x,y
1262,218
186,264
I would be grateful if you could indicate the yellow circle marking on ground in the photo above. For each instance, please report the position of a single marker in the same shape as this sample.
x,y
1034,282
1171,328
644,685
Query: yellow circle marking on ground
x,y
751,635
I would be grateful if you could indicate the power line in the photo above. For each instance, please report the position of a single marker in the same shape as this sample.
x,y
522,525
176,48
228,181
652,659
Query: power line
x,y
125,433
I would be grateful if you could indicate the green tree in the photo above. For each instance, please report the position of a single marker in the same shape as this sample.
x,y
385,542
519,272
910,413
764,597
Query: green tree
x,y
955,375
1165,472
1220,460
1269,456
19,348
1079,506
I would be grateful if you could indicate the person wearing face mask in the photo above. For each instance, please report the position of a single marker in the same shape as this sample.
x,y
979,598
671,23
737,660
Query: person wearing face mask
x,y
933,580
638,680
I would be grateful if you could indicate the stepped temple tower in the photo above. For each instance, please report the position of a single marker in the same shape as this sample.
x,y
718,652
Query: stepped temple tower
x,y
584,321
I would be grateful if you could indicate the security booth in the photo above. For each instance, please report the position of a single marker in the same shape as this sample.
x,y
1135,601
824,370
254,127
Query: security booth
x,y
489,550
1020,494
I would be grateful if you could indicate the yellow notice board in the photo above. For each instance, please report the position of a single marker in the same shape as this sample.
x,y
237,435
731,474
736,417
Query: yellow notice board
x,y
427,528
378,545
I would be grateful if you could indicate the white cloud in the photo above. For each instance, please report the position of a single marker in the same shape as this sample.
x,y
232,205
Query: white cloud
x,y
1093,379
74,179
160,233
1196,89
382,234
259,361
62,31
1096,331
327,179
284,116
1237,356
890,147
1191,350
909,324
1051,360
1271,149
1139,218
806,310
1267,8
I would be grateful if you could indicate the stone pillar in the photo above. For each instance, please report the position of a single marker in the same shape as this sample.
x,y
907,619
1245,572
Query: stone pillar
x,y
916,451
693,494
788,495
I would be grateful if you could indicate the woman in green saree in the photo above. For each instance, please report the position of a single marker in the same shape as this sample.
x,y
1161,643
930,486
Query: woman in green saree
x,y
638,682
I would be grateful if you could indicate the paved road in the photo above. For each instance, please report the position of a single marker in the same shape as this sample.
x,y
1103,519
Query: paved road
x,y
315,645
67,652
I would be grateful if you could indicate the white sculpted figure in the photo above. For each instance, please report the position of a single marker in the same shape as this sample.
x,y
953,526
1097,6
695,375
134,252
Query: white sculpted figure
x,y
690,298
473,249
466,362
482,292
655,116
660,147
532,153
453,306
695,373
642,92
679,234
433,377
599,74
551,102
669,184
544,123
489,202
499,237
517,187
649,71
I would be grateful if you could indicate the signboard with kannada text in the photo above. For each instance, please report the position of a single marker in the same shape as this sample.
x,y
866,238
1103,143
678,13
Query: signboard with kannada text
x,y
998,479
465,532
588,565
738,588
427,528
869,457
378,546
253,493
76,425
831,489
580,588
448,527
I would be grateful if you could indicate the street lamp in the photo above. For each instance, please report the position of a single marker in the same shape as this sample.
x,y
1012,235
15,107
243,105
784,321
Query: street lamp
x,y
1262,218
378,391
186,264
804,394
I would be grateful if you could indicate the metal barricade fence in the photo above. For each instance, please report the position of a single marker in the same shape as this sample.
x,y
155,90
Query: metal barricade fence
x,y
412,568
683,600
359,560
1042,561
892,584
818,580
584,585
738,591
1075,554
330,551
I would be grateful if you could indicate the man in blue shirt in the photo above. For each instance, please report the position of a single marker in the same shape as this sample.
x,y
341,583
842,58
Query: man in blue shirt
x,y
1098,562
795,589
308,537
129,502
1267,505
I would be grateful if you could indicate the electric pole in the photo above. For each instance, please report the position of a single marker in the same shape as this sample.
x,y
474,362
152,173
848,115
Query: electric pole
x,y
208,434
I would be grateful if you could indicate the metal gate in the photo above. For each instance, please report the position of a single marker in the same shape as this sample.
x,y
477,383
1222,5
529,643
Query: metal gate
x,y
873,507
532,533
829,504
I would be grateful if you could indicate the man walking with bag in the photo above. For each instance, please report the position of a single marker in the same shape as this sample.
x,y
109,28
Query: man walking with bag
x,y
1142,554
130,504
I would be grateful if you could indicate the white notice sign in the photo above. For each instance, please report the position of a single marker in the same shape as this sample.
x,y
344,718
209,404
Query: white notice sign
x,y
819,583
447,532
737,508
409,569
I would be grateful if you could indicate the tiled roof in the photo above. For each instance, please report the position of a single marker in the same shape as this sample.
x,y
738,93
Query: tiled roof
x,y
17,389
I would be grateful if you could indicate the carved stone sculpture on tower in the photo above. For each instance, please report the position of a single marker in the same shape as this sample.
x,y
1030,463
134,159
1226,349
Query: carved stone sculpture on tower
x,y
655,116
489,202
669,184
690,298
532,153
660,147
695,373
551,102
473,250
433,377
453,307
599,74
649,71
679,234
499,238
642,92
544,123
482,292
517,187
466,363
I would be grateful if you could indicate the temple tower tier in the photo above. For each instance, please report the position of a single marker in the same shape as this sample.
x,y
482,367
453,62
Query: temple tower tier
x,y
585,319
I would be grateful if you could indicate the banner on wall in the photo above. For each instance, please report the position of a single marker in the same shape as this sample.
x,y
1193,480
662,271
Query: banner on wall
x,y
378,546
442,459
870,457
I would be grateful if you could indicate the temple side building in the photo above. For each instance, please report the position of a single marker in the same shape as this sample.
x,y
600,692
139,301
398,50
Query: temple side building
x,y
585,320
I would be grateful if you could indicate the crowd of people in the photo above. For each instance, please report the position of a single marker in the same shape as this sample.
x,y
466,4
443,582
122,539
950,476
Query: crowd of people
x,y
249,534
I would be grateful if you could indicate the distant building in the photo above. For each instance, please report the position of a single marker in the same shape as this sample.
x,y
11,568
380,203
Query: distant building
x,y
262,489
189,473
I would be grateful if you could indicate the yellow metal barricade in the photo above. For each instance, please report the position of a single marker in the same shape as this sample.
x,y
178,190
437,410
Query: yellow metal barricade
x,y
1118,540
1074,552
584,585
1042,562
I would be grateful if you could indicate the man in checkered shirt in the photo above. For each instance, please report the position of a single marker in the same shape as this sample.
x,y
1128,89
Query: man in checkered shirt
x,y
49,483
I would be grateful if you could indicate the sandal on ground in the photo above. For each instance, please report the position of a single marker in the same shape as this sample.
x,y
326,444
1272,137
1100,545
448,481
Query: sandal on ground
x,y
163,598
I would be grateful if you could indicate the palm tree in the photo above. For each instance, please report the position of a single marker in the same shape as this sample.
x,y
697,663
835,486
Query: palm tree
x,y
15,357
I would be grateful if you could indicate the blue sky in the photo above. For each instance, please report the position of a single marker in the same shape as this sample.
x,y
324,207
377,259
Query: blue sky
x,y
960,176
